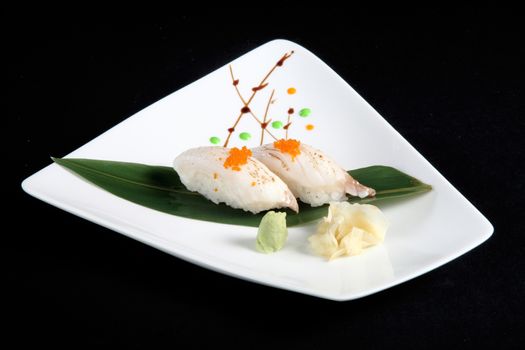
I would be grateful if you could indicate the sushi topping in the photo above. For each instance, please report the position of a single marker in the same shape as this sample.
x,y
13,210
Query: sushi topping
x,y
290,146
237,158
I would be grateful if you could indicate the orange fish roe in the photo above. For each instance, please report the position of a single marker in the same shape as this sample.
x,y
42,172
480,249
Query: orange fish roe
x,y
291,91
237,158
289,146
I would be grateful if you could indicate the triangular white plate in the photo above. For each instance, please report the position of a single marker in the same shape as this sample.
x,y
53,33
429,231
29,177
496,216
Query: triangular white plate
x,y
426,231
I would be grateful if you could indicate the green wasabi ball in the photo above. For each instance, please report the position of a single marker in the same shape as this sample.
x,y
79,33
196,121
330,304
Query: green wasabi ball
x,y
215,140
305,112
245,136
277,124
272,233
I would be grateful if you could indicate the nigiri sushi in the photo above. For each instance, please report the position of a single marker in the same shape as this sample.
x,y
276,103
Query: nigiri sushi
x,y
311,175
234,177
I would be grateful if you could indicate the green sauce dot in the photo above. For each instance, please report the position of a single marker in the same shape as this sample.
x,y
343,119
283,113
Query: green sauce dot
x,y
215,140
277,124
245,136
305,112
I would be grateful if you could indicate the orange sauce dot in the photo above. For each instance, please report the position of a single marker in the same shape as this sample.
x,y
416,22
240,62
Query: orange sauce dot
x,y
291,91
254,183
309,127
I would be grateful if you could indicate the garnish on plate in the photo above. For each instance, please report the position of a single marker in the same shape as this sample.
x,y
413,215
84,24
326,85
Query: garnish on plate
x,y
246,102
272,232
348,229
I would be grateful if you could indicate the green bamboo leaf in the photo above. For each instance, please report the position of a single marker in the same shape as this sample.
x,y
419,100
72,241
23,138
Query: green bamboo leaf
x,y
159,188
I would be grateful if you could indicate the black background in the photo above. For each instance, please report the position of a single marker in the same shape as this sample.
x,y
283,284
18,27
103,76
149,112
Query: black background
x,y
452,84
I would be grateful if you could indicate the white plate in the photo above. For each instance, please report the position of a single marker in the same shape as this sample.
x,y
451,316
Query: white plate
x,y
426,231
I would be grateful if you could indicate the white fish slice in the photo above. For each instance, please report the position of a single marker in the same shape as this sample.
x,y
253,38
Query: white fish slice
x,y
253,188
312,176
